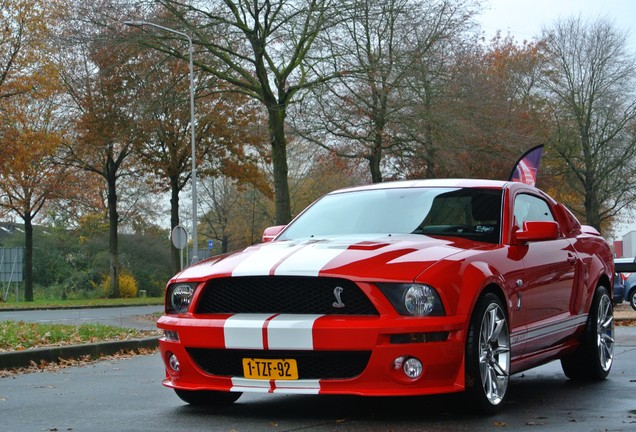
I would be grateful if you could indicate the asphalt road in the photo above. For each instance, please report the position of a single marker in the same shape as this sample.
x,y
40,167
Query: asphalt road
x,y
126,395
114,316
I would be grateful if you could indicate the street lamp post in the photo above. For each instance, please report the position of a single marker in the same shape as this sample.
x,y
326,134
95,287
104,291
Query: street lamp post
x,y
195,243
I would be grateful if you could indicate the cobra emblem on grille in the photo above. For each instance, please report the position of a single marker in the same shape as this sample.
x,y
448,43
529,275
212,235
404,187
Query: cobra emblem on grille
x,y
337,291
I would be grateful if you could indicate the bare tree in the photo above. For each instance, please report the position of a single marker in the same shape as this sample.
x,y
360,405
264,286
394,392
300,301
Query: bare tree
x,y
384,48
592,81
261,49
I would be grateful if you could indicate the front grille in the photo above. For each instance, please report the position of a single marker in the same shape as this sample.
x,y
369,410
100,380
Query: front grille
x,y
283,294
311,364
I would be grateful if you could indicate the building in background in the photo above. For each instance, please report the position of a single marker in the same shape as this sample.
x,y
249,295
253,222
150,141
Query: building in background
x,y
629,244
626,247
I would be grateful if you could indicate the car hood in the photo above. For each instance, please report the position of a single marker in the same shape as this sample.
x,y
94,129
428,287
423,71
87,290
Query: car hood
x,y
385,258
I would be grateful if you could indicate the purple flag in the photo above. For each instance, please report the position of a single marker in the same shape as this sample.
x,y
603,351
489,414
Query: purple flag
x,y
525,171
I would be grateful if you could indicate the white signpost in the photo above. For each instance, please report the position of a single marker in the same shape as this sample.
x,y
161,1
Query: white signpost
x,y
11,264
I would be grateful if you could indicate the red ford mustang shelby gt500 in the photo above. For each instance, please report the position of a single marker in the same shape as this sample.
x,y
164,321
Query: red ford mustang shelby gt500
x,y
405,288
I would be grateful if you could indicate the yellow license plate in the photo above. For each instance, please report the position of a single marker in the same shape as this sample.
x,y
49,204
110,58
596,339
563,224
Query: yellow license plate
x,y
270,369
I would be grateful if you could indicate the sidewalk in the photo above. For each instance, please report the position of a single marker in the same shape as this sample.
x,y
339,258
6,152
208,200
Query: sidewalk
x,y
624,311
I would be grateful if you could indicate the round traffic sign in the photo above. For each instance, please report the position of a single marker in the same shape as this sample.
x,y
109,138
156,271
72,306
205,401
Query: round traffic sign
x,y
179,237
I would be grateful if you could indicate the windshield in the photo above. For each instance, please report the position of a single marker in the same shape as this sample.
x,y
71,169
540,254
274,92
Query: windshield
x,y
465,212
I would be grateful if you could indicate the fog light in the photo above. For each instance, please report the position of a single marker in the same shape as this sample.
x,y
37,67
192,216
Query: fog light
x,y
412,368
173,362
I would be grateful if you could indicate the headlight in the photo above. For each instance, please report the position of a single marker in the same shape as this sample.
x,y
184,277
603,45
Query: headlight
x,y
413,299
179,297
419,300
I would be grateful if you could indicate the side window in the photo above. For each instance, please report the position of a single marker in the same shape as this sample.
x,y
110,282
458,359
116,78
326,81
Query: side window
x,y
531,208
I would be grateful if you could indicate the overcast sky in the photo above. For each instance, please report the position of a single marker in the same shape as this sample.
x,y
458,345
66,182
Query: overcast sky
x,y
524,20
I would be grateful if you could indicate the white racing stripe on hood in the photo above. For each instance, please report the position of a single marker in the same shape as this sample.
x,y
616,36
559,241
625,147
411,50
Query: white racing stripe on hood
x,y
306,258
265,259
310,260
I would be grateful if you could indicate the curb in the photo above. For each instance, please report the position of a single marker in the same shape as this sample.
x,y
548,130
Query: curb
x,y
17,359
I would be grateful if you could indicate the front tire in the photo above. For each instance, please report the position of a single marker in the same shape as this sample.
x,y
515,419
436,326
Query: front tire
x,y
593,359
488,355
208,398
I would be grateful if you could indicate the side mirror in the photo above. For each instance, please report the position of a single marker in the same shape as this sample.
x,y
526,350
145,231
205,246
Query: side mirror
x,y
538,231
270,233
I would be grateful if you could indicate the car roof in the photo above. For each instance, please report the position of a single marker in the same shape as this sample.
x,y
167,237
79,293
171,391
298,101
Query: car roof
x,y
450,183
624,265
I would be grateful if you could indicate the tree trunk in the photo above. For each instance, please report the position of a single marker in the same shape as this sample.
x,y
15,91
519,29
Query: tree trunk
x,y
174,221
592,206
374,167
429,151
28,259
378,143
278,140
224,243
113,221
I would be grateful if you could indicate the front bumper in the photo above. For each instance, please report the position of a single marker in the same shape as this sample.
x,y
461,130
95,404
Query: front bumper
x,y
437,342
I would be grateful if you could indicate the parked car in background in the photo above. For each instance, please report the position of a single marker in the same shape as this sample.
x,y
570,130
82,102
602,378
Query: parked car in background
x,y
396,289
630,289
626,268
619,293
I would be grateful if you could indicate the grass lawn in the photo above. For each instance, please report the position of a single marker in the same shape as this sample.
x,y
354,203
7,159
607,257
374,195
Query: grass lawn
x,y
42,304
17,336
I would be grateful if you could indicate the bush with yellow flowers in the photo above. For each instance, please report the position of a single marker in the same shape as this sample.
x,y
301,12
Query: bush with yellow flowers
x,y
128,285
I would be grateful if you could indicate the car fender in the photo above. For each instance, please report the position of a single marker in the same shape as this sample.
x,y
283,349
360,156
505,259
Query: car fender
x,y
461,282
598,276
464,282
595,272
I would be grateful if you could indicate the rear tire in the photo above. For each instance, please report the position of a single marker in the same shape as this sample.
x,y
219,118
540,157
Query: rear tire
x,y
592,361
487,355
208,398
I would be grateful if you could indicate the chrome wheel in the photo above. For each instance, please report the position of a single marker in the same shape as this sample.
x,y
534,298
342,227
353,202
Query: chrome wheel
x,y
494,354
605,332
